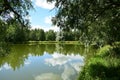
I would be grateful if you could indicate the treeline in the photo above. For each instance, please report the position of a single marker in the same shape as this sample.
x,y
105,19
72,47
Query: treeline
x,y
16,34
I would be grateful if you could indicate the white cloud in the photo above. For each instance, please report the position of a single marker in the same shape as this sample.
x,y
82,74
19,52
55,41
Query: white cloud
x,y
67,73
71,63
5,66
48,19
48,76
55,28
77,66
61,59
27,62
55,61
44,4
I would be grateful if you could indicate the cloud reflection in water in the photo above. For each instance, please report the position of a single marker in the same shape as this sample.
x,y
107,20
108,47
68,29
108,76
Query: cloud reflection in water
x,y
27,62
71,64
48,76
6,67
61,59
67,73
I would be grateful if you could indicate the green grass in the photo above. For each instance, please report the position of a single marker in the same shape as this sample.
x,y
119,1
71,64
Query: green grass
x,y
52,42
105,65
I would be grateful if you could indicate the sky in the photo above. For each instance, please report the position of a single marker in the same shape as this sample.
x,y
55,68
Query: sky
x,y
40,18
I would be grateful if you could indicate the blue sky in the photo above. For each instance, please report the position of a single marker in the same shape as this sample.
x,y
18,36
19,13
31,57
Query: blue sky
x,y
41,16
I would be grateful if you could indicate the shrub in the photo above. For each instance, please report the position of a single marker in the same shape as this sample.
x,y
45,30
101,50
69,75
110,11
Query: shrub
x,y
105,65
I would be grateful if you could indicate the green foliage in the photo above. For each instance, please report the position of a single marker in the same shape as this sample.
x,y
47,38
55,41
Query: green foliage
x,y
68,36
50,35
13,19
42,35
18,8
2,30
3,45
105,65
13,22
105,51
37,35
15,33
97,20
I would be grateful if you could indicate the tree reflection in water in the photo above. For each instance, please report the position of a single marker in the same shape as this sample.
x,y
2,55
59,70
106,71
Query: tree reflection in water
x,y
68,58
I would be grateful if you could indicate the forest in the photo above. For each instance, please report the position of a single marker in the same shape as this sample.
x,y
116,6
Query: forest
x,y
17,35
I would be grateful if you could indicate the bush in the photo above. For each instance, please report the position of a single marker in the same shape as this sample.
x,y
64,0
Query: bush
x,y
105,65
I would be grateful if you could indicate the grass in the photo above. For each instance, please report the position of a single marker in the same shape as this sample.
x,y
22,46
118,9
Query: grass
x,y
105,65
52,42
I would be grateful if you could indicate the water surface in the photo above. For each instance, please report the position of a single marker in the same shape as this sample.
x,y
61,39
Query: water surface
x,y
42,62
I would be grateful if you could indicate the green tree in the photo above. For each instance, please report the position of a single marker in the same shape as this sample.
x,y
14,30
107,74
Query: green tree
x,y
3,48
32,35
37,35
16,34
15,9
41,35
97,20
12,11
68,36
50,35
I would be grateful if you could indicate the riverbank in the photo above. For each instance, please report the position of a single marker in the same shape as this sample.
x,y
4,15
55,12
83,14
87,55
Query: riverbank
x,y
104,65
52,42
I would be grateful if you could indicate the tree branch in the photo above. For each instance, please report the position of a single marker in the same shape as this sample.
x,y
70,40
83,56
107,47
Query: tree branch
x,y
8,7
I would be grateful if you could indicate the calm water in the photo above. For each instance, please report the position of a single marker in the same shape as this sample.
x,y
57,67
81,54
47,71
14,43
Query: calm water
x,y
42,62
